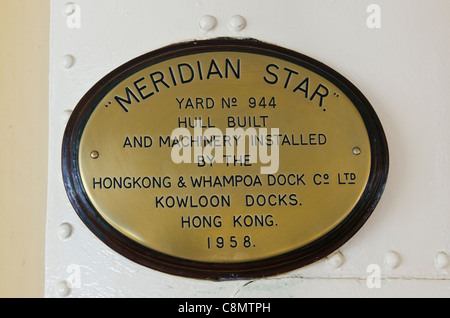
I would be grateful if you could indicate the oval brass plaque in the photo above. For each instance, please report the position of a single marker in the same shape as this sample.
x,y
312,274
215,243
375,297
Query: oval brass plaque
x,y
224,159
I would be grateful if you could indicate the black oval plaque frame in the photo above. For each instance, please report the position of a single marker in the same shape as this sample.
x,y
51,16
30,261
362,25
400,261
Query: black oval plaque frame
x,y
305,255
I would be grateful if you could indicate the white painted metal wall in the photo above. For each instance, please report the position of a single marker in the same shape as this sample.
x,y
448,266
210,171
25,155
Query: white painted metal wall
x,y
403,68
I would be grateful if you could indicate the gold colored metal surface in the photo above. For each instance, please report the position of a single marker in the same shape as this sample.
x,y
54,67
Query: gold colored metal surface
x,y
224,213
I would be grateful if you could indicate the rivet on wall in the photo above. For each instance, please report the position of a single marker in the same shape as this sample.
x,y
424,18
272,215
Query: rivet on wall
x,y
69,9
68,61
65,116
237,23
207,23
392,259
64,231
62,289
335,260
441,260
